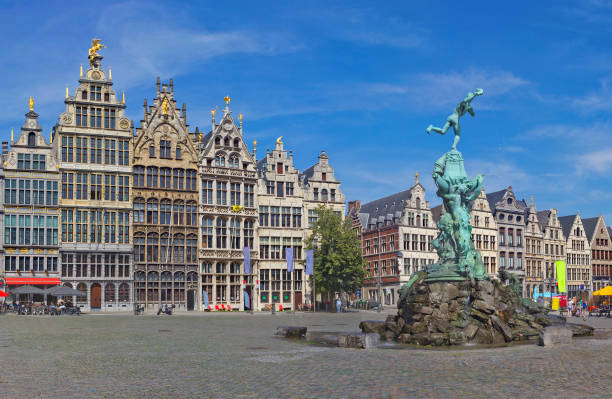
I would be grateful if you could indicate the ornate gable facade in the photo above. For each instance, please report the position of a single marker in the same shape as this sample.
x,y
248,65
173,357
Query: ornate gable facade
x,y
534,255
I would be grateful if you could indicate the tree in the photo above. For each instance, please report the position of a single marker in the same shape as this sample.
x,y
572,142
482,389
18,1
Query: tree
x,y
338,263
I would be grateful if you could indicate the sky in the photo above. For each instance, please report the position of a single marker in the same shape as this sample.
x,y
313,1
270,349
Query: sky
x,y
360,80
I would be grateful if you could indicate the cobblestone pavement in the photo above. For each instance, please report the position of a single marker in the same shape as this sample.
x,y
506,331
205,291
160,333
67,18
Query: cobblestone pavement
x,y
236,356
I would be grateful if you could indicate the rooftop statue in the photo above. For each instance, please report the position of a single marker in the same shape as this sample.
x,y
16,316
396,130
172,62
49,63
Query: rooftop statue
x,y
93,51
453,119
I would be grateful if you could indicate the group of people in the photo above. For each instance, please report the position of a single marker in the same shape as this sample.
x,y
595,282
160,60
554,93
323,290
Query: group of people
x,y
577,307
37,308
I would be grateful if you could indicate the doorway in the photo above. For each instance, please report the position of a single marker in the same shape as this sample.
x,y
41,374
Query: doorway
x,y
298,300
96,296
190,300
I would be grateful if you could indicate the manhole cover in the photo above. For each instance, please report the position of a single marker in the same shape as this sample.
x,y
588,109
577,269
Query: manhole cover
x,y
164,330
256,348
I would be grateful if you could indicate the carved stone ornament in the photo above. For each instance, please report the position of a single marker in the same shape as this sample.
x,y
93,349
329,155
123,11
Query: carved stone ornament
x,y
124,123
95,75
67,118
227,126
165,129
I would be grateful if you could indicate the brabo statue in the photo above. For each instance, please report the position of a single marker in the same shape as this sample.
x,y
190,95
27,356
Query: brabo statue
x,y
459,259
453,119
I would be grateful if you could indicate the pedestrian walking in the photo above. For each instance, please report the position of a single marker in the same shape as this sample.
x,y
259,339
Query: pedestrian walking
x,y
338,305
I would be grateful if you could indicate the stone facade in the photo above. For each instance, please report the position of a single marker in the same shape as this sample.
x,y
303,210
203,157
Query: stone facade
x,y
396,234
554,247
31,212
165,201
484,233
577,254
601,251
91,142
534,255
228,214
510,217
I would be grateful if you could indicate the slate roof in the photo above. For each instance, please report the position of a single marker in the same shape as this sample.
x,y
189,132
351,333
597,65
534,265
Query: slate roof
x,y
566,224
589,225
494,198
436,213
609,230
543,217
307,173
386,206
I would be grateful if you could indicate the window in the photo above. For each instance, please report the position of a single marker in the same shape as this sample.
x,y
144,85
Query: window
x,y
67,150
207,191
152,211
123,188
152,151
279,189
67,186
249,200
220,159
95,93
323,195
332,196
312,217
109,118
10,191
191,213
274,216
297,217
95,187
95,117
179,213
178,175
110,188
52,189
316,194
263,216
81,114
207,232
139,248
67,227
234,161
95,150
152,247
235,233
234,193
221,193
124,152
164,148
38,162
38,192
179,248
248,233
270,187
165,211
324,176
164,178
221,233
190,180
151,176
109,152
279,168
123,228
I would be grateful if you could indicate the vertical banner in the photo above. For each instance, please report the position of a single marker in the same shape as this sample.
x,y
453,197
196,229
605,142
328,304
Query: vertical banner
x,y
247,260
309,262
289,256
205,298
560,266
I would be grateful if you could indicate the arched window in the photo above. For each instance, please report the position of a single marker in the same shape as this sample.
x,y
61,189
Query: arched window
x,y
124,292
226,142
139,248
220,159
151,176
192,277
217,141
165,208
179,276
109,292
152,276
165,254
31,139
139,275
191,213
152,211
179,248
166,276
83,288
235,234
179,213
324,195
152,286
207,232
152,247
139,209
236,143
138,176
192,246
234,161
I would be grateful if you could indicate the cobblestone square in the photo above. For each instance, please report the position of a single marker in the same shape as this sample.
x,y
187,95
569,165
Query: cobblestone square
x,y
191,355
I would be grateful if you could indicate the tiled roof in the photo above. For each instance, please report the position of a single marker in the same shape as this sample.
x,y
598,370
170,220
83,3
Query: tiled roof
x,y
589,225
387,205
543,217
566,224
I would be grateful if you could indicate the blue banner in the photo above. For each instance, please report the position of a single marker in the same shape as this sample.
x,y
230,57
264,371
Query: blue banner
x,y
289,256
205,299
309,262
247,260
247,302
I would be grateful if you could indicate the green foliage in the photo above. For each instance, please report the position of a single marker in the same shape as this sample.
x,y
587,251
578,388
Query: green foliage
x,y
338,263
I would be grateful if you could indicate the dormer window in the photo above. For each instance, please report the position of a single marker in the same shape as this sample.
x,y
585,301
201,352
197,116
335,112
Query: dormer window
x,y
31,139
217,141
95,93
279,168
324,176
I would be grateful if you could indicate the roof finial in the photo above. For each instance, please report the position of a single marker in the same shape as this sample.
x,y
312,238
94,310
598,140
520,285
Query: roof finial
x,y
12,136
67,95
31,101
51,138
110,74
227,100
81,71
123,98
93,51
416,177
279,140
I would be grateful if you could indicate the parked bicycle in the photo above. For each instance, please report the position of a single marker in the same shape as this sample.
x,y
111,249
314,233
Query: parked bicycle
x,y
165,309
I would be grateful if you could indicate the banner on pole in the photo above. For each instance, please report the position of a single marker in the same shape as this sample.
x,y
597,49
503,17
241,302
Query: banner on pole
x,y
247,260
560,266
289,256
309,262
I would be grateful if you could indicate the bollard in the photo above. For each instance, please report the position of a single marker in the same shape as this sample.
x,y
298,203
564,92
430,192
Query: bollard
x,y
273,309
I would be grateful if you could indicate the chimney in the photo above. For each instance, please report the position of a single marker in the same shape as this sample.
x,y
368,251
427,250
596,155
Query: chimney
x,y
356,205
4,147
158,83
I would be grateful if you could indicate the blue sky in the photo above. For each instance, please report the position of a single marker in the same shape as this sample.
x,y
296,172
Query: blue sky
x,y
360,80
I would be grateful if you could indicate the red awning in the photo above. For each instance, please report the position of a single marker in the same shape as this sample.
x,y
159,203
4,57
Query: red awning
x,y
3,294
32,281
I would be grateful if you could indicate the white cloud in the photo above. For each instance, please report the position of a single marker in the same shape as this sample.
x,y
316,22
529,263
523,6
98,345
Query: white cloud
x,y
599,161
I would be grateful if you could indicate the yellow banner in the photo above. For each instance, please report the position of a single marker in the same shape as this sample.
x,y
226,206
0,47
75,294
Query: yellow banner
x,y
555,303
561,283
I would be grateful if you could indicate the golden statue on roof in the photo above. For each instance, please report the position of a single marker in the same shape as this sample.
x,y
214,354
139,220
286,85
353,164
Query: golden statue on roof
x,y
93,51
227,100
279,140
165,106
31,101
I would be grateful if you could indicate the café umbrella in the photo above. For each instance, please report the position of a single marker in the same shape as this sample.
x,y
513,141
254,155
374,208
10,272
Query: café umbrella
x,y
607,291
63,290
3,294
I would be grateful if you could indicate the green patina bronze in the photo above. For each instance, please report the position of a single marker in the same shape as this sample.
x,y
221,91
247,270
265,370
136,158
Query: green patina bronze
x,y
459,260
